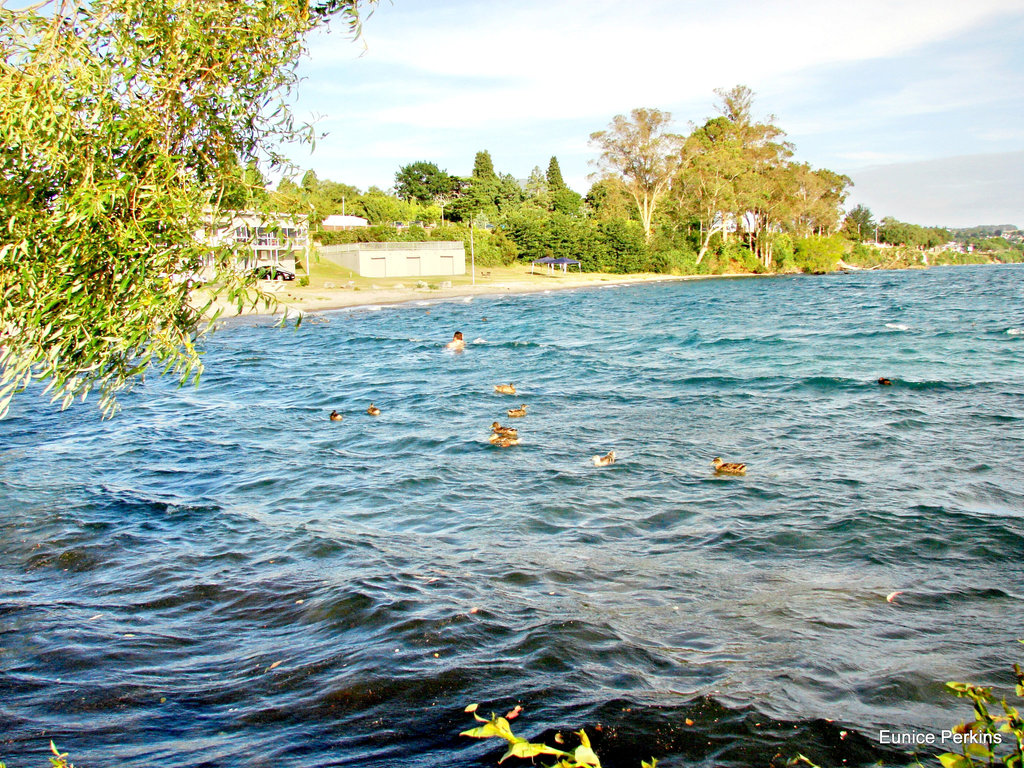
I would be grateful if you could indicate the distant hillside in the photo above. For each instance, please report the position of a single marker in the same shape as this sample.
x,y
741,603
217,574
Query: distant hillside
x,y
992,230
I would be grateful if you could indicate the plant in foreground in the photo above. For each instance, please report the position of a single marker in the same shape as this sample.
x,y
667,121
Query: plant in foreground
x,y
581,757
60,759
978,737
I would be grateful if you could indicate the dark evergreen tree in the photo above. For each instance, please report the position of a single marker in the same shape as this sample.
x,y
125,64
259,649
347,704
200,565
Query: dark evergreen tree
x,y
554,177
483,167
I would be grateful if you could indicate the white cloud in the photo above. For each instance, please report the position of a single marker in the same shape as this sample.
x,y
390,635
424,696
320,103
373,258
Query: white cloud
x,y
532,60
880,82
952,191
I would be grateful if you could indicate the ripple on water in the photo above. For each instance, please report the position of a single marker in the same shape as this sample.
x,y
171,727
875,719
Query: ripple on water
x,y
221,571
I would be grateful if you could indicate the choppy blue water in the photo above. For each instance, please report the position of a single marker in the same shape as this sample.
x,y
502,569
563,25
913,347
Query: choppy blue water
x,y
221,576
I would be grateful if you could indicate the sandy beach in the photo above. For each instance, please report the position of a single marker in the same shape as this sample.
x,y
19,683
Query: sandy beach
x,y
328,290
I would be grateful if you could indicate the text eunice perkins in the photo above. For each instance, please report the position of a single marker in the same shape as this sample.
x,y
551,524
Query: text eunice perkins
x,y
914,738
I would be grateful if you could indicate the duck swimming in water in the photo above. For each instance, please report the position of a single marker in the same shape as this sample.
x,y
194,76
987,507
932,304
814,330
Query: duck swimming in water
x,y
885,382
335,416
373,410
604,461
515,413
505,389
727,468
497,429
503,441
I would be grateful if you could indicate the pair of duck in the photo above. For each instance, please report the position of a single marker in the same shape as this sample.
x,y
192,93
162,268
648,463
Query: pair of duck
x,y
510,389
373,410
503,437
721,467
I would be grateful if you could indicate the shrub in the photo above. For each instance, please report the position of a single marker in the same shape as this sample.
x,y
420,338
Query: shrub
x,y
819,254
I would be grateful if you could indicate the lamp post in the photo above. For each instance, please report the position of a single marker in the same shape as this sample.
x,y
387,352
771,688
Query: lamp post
x,y
472,252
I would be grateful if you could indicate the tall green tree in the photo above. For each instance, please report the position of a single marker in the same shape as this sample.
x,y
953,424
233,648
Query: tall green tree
x,y
483,167
422,181
120,120
859,223
644,154
765,184
554,175
707,186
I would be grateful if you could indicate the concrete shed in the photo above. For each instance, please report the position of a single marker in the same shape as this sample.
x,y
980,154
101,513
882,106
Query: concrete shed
x,y
415,259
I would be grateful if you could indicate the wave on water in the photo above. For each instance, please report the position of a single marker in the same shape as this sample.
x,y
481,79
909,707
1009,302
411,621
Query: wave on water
x,y
357,583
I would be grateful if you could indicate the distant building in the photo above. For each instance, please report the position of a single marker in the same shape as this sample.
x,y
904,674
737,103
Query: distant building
x,y
337,223
261,239
409,259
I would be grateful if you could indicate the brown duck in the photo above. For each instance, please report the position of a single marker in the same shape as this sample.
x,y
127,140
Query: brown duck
x,y
727,468
497,429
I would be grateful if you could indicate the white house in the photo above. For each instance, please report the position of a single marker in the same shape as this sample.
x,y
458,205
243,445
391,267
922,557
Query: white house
x,y
337,222
262,239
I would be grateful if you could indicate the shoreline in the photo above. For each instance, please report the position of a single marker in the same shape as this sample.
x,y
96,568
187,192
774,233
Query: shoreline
x,y
325,295
295,299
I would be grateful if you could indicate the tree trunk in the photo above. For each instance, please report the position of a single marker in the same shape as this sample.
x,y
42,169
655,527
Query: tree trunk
x,y
706,241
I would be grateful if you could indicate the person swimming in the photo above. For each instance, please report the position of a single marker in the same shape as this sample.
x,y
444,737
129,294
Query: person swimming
x,y
457,343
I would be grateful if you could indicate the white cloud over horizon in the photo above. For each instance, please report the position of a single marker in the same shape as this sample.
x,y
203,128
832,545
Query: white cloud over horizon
x,y
963,191
887,80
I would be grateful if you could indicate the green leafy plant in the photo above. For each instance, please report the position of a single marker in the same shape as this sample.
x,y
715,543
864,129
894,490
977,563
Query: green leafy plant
x,y
59,760
124,129
583,756
978,737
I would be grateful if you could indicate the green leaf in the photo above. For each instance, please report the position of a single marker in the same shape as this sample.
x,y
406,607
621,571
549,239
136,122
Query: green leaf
x,y
952,760
526,750
979,750
584,755
497,727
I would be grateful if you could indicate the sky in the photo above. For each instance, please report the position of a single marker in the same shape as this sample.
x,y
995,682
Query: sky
x,y
920,102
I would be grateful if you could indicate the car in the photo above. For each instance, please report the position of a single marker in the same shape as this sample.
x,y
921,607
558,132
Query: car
x,y
273,272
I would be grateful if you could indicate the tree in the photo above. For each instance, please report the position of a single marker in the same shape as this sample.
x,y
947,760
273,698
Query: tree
x,y
707,188
120,122
859,223
483,167
818,198
554,175
765,186
422,181
248,192
643,153
536,189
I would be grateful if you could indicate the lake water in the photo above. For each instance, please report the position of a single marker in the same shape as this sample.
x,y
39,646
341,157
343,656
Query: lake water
x,y
221,576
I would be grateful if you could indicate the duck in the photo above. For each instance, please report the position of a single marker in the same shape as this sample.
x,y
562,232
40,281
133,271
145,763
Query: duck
x,y
497,429
604,461
885,382
514,413
728,468
505,389
503,441
335,416
373,410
